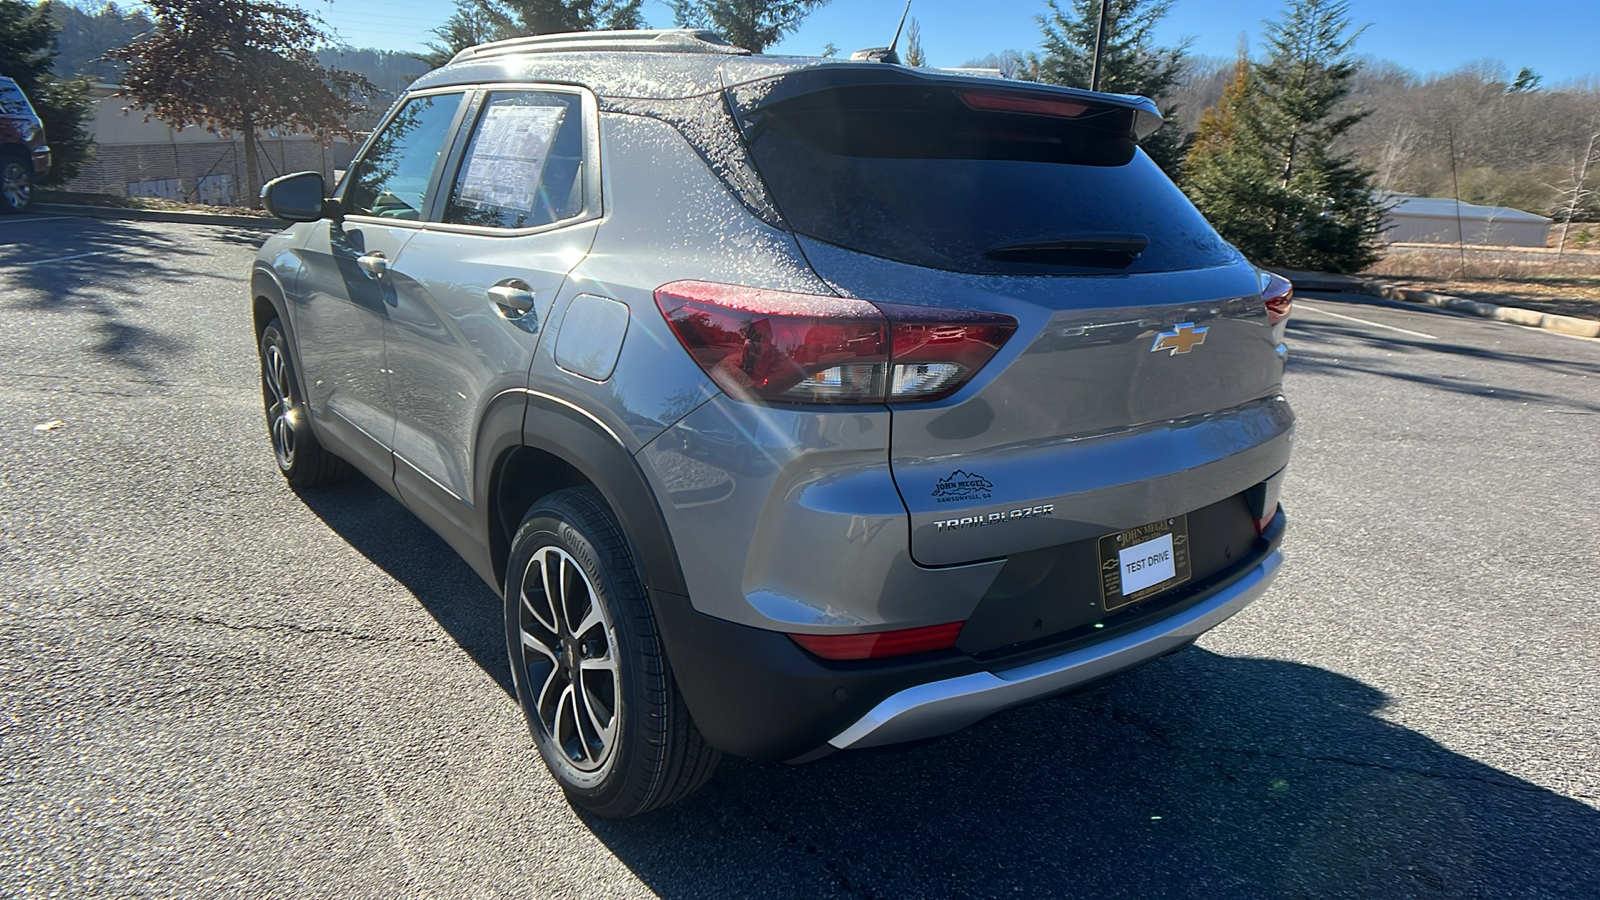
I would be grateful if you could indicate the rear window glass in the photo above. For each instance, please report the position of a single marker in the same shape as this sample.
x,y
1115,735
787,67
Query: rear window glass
x,y
919,177
13,102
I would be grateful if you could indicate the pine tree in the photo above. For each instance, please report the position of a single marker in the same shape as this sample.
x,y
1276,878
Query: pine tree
x,y
1264,167
27,53
528,17
752,24
915,55
471,23
1130,62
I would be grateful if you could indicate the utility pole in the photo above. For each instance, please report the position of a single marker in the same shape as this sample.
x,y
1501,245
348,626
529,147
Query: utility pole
x,y
1099,43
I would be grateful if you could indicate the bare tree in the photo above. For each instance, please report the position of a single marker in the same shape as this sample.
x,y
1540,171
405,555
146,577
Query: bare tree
x,y
1576,194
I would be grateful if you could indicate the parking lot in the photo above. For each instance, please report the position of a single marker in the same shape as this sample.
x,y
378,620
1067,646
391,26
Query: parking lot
x,y
212,686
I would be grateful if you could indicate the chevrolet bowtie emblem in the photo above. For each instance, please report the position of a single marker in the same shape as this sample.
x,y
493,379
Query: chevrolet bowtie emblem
x,y
1181,339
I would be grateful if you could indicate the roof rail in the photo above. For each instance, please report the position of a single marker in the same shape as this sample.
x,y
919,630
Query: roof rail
x,y
666,40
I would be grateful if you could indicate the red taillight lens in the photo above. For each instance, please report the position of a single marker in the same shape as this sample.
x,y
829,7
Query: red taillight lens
x,y
1005,101
881,644
1263,524
763,345
1278,294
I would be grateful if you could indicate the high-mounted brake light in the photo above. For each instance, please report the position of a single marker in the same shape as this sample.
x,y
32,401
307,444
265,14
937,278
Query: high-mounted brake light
x,y
1277,292
881,644
1007,101
778,346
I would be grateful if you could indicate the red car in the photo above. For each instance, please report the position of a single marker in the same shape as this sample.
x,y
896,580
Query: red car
x,y
24,155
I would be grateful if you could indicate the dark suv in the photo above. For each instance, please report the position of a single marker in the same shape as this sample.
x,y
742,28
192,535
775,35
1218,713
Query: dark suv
x,y
794,405
24,155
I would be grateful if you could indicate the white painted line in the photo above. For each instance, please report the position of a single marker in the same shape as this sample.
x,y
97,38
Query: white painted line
x,y
1301,304
10,221
40,262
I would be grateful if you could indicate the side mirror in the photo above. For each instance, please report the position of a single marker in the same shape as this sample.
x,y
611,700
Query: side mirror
x,y
300,197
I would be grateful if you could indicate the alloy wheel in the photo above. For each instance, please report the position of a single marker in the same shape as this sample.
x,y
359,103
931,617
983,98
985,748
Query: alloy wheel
x,y
569,655
280,405
15,184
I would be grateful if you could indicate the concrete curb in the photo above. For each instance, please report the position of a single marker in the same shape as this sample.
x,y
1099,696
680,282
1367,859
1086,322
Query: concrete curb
x,y
1515,315
155,215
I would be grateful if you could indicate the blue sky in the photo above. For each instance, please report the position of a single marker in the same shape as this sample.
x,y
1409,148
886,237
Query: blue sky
x,y
1555,37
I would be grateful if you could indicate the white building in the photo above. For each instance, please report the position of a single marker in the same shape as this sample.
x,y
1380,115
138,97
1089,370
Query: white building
x,y
1436,220
139,158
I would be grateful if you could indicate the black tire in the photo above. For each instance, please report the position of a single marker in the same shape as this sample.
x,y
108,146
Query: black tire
x,y
303,461
16,182
614,668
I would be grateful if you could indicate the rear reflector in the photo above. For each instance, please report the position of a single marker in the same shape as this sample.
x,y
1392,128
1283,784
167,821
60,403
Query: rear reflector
x,y
1006,101
777,346
1263,524
881,644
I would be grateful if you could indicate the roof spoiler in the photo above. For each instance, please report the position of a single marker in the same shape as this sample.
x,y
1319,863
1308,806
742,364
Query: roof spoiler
x,y
1145,119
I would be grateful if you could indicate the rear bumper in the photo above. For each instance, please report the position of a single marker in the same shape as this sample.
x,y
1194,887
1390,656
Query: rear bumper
x,y
944,706
753,692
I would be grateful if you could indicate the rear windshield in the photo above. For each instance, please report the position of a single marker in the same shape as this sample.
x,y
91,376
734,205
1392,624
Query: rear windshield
x,y
13,102
918,176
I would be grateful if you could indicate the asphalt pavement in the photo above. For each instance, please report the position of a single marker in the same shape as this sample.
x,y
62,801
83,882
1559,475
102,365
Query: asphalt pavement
x,y
212,686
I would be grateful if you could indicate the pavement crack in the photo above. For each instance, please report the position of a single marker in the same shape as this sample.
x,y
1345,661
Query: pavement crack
x,y
1356,763
267,627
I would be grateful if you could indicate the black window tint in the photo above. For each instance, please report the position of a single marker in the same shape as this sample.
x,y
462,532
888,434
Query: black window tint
x,y
524,164
923,180
391,179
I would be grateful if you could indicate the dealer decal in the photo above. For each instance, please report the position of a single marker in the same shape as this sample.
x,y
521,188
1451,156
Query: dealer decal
x,y
963,486
995,518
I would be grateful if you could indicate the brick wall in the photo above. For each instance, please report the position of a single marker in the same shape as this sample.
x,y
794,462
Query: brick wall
x,y
115,166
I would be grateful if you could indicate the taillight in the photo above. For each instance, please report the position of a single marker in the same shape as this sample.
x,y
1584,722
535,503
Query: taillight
x,y
1277,292
881,644
1264,523
777,346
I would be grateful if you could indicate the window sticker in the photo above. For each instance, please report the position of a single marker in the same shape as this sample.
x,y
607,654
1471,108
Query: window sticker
x,y
508,156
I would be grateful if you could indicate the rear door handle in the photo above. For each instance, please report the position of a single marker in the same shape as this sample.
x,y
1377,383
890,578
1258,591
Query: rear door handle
x,y
512,299
374,264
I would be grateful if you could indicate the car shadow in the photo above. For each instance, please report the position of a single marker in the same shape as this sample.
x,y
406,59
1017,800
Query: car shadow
x,y
394,540
1199,775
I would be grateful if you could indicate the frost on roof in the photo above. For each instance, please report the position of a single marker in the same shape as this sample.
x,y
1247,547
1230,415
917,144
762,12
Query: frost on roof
x,y
705,123
640,75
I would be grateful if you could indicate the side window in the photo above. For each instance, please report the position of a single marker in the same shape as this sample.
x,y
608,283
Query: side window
x,y
391,179
524,165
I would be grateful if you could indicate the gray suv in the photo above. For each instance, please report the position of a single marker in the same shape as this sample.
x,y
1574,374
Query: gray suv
x,y
794,405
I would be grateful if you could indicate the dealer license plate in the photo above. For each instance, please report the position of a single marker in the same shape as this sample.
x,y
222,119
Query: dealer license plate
x,y
1144,561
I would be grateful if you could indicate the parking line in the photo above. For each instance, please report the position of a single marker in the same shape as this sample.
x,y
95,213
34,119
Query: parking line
x,y
8,220
1301,304
40,262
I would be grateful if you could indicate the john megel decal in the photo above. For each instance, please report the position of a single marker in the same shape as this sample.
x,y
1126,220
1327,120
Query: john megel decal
x,y
963,486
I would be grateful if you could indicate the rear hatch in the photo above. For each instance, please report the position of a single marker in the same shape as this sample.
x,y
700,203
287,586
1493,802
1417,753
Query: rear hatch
x,y
1143,378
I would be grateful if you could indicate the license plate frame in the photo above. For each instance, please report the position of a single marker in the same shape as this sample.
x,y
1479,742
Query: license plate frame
x,y
1112,546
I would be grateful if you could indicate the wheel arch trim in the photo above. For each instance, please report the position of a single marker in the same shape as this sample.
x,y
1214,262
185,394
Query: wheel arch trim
x,y
594,449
